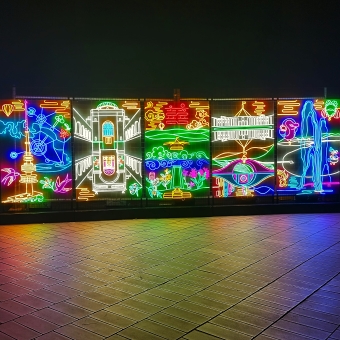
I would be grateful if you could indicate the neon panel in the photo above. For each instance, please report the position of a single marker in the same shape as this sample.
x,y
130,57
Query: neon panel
x,y
307,147
177,149
242,134
36,155
108,157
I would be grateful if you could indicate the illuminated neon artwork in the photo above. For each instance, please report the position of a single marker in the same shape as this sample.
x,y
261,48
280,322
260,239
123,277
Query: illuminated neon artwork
x,y
243,148
288,129
36,159
177,149
108,158
308,144
331,110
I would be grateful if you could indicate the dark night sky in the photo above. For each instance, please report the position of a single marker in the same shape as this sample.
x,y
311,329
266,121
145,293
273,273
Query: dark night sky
x,y
148,48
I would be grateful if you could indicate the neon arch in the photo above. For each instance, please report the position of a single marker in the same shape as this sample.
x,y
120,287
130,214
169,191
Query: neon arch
x,y
108,132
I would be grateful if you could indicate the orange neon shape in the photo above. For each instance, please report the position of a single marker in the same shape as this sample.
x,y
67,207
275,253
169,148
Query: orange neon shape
x,y
289,107
259,107
7,109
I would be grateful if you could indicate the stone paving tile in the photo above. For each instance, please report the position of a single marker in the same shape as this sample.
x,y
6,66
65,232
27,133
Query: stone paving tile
x,y
174,322
16,307
97,326
159,329
186,315
113,319
7,316
52,336
336,334
6,296
32,301
196,335
222,332
49,295
14,289
71,310
37,324
138,334
18,331
236,325
130,313
230,277
89,304
78,333
5,337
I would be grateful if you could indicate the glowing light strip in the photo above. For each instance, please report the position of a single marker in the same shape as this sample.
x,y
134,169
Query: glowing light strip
x,y
197,105
79,115
288,107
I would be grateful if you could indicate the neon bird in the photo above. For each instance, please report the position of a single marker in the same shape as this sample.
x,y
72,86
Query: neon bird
x,y
60,186
11,176
288,129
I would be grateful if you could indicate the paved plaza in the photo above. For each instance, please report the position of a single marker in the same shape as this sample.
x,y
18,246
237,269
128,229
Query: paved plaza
x,y
233,277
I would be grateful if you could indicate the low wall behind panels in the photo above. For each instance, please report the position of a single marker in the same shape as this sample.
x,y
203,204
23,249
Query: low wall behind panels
x,y
59,155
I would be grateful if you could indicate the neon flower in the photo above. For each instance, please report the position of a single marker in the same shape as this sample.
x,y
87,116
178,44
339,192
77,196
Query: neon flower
x,y
185,173
57,186
134,188
96,162
193,173
197,177
64,133
34,199
166,177
283,177
207,172
47,183
59,119
152,176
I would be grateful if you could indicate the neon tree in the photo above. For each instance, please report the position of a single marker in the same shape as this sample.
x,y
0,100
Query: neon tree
x,y
242,148
176,149
308,147
107,149
36,134
331,110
